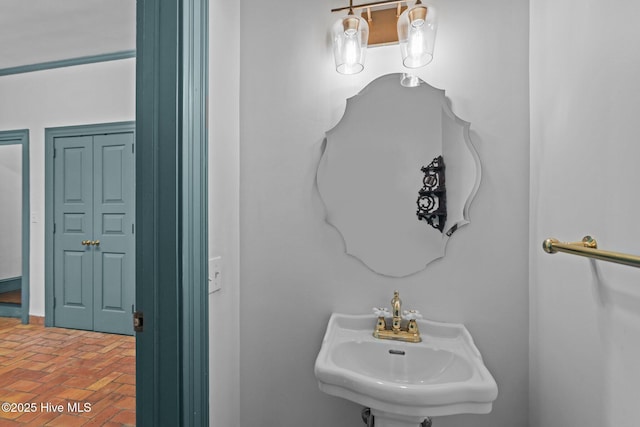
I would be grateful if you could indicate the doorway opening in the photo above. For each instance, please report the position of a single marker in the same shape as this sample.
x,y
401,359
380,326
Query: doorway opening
x,y
171,93
14,227
80,375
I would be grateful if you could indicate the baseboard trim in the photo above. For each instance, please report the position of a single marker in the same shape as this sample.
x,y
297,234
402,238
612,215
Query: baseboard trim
x,y
10,284
10,310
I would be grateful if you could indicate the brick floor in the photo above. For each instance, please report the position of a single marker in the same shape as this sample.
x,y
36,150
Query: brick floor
x,y
69,377
11,297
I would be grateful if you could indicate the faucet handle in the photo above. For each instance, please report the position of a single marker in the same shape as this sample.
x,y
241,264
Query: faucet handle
x,y
381,312
412,314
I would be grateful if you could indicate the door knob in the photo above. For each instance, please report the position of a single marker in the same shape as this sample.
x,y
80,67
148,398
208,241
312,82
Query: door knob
x,y
86,242
95,243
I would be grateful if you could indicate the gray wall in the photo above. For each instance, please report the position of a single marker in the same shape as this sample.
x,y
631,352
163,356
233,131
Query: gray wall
x,y
585,322
293,269
224,217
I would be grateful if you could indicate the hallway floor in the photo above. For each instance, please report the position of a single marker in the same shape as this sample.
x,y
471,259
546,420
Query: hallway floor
x,y
61,372
11,297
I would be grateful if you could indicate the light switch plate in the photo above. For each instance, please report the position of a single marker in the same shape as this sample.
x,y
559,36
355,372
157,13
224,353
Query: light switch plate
x,y
215,274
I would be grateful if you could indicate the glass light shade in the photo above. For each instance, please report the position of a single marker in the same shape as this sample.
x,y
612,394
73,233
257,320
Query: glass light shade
x,y
409,80
417,27
350,36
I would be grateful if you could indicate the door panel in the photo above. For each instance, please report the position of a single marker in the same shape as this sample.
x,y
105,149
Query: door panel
x,y
73,278
114,213
73,290
113,281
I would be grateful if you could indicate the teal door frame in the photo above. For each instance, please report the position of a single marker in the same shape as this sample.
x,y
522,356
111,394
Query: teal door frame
x,y
21,137
50,134
171,213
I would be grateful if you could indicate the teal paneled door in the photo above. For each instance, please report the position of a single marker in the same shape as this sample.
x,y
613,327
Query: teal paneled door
x,y
113,217
73,219
94,244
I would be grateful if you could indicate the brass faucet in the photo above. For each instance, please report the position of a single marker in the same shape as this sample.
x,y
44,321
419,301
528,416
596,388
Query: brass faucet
x,y
409,333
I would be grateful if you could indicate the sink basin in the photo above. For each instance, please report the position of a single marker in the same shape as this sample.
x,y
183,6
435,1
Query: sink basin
x,y
404,383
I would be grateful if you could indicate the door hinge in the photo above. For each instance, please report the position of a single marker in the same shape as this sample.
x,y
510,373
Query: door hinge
x,y
133,229
54,153
133,149
54,228
138,321
54,302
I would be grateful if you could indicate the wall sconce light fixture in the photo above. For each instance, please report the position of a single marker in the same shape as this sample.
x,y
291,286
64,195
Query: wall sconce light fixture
x,y
414,28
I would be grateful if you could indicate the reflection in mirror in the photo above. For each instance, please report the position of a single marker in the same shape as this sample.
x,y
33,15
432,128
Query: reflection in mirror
x,y
10,223
380,165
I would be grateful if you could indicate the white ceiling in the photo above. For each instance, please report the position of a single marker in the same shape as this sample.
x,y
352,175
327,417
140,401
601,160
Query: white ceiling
x,y
35,31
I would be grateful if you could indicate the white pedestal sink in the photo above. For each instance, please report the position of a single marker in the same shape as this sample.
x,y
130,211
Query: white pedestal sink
x,y
404,383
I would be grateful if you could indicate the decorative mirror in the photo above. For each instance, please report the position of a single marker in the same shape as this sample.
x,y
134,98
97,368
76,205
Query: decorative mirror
x,y
397,175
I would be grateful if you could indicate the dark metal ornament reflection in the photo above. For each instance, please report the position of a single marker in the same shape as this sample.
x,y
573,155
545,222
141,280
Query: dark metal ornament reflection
x,y
432,199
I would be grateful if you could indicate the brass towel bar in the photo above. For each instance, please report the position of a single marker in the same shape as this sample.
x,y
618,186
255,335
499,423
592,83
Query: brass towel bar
x,y
588,247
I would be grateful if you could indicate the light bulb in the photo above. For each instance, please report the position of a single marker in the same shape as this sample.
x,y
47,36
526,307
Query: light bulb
x,y
351,50
416,43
